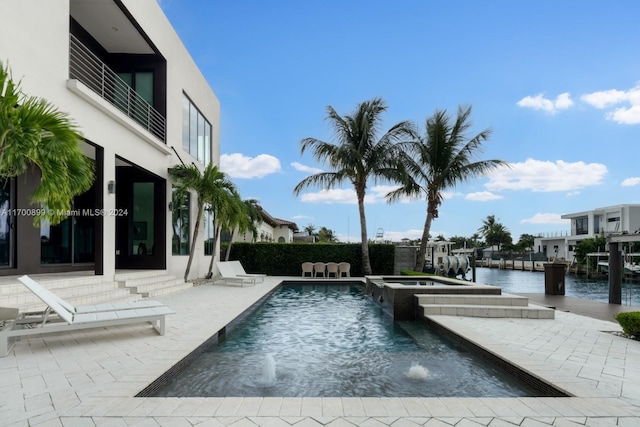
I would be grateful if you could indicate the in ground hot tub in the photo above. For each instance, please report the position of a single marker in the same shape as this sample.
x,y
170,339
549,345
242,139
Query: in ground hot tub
x,y
396,294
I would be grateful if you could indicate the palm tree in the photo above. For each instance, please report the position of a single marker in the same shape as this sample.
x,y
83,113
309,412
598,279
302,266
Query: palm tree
x,y
440,160
487,224
494,232
205,185
245,223
33,133
358,156
227,207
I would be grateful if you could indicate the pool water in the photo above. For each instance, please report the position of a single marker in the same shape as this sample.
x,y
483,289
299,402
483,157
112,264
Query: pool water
x,y
332,341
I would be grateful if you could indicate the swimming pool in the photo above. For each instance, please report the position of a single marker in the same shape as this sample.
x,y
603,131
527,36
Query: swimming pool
x,y
332,341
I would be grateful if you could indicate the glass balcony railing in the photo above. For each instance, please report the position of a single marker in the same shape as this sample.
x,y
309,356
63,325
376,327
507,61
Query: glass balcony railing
x,y
86,67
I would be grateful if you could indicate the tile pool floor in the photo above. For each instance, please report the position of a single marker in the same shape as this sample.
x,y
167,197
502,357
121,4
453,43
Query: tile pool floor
x,y
89,378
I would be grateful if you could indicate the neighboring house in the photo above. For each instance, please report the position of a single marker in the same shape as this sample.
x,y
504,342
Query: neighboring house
x,y
587,225
270,230
121,72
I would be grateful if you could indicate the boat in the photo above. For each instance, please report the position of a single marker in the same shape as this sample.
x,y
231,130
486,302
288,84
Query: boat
x,y
629,267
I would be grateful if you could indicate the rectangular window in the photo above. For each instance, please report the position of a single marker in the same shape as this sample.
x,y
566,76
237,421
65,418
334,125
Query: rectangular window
x,y
185,123
209,230
582,225
180,223
196,132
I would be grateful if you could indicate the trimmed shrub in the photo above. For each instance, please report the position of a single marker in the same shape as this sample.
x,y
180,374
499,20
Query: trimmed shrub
x,y
630,323
285,259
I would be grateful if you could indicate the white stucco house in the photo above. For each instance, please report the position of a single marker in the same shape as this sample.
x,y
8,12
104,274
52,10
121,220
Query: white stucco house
x,y
271,229
587,225
121,72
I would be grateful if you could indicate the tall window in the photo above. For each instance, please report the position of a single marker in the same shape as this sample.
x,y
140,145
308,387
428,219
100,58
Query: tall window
x,y
582,225
209,231
196,132
180,224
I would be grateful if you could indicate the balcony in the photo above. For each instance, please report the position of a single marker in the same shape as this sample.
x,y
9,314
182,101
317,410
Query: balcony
x,y
87,68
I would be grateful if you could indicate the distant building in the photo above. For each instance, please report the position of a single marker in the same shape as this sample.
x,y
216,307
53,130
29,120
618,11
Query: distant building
x,y
271,229
587,225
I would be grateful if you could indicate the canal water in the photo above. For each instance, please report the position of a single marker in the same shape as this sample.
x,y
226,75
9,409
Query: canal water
x,y
517,281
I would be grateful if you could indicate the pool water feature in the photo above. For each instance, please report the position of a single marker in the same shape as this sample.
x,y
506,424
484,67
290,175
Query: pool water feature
x,y
333,341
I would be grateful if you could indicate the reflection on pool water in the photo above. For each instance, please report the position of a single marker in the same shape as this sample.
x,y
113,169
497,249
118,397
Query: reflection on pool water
x,y
323,341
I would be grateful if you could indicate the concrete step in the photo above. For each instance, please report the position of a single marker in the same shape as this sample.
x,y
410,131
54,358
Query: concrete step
x,y
76,293
491,300
141,281
179,286
528,312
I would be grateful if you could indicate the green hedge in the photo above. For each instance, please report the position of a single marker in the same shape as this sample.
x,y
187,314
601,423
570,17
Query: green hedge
x,y
285,259
630,323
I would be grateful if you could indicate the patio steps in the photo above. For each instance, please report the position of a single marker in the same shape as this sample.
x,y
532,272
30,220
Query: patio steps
x,y
495,306
76,290
152,283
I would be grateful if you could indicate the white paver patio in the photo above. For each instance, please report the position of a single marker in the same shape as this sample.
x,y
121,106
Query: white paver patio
x,y
90,378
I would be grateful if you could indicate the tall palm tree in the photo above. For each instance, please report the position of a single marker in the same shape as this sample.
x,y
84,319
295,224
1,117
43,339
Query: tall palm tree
x,y
440,160
245,222
227,207
358,156
33,133
206,185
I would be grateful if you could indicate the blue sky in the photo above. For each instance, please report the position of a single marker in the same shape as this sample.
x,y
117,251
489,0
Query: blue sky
x,y
557,82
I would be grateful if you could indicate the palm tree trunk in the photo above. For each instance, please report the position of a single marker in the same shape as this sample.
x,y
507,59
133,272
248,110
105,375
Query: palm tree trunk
x,y
366,263
422,252
226,255
193,240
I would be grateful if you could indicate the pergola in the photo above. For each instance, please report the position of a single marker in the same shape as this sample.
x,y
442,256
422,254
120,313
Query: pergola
x,y
616,264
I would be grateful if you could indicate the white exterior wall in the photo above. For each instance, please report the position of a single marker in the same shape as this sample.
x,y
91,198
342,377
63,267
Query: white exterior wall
x,y
34,42
629,221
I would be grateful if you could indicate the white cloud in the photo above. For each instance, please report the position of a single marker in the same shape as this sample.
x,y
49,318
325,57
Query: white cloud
x,y
546,218
336,195
397,236
348,196
482,196
237,165
380,191
604,98
631,182
627,115
305,168
546,176
301,217
539,102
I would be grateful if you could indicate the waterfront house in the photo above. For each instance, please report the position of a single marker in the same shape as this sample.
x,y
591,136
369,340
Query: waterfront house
x,y
587,225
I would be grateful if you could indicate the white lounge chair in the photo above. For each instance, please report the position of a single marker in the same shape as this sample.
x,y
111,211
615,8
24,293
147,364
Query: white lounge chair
x,y
240,272
228,275
61,316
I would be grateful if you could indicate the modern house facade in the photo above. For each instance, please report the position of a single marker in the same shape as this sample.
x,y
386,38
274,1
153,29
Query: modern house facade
x,y
120,71
587,225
